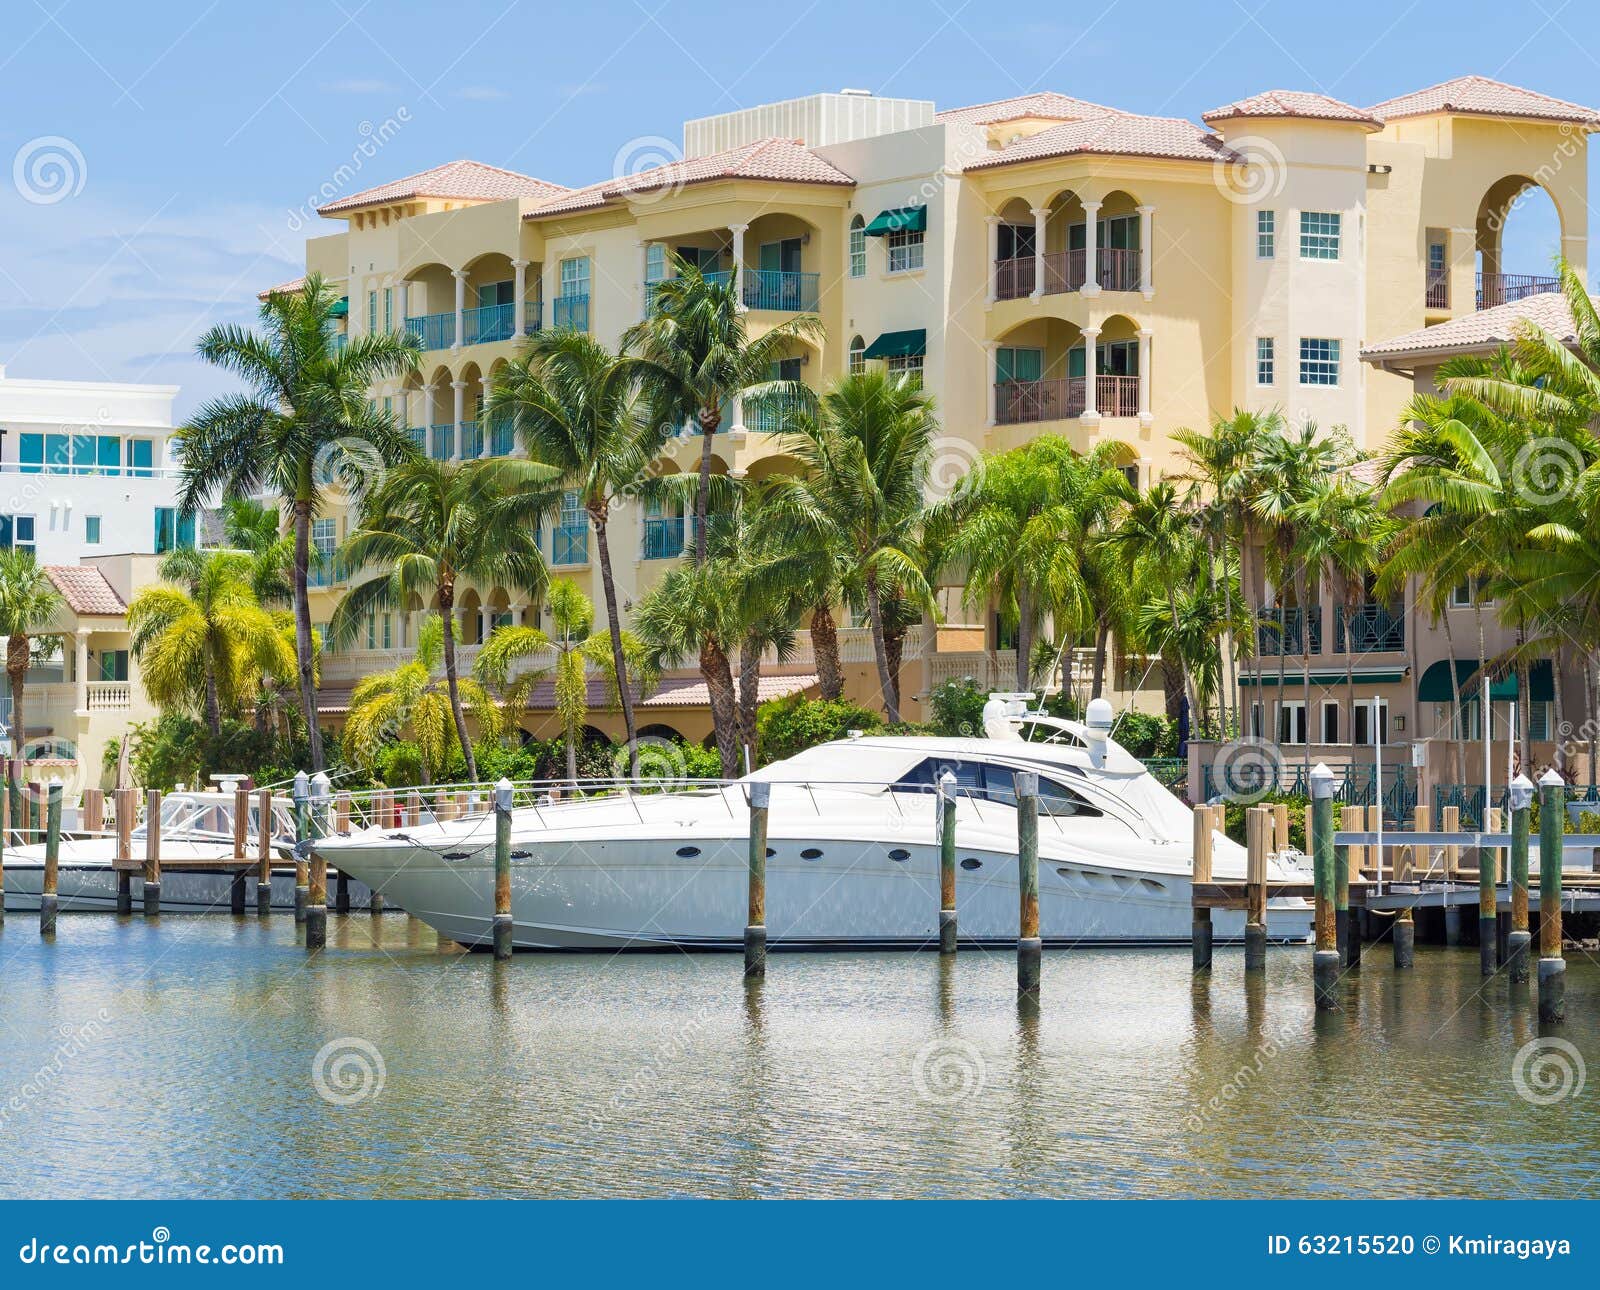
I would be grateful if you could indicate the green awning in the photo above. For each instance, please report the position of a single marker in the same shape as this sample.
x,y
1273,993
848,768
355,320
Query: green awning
x,y
898,344
340,308
900,219
1435,684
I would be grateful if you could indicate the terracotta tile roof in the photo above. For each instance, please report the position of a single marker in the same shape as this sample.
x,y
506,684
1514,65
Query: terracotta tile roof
x,y
470,179
1047,105
779,160
1291,103
1480,96
1118,134
1485,329
85,589
1368,472
282,289
682,692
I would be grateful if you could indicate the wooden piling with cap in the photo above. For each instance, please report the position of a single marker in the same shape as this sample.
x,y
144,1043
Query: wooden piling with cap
x,y
317,863
241,842
1450,822
124,806
946,808
302,833
263,852
1552,830
1257,826
1348,862
152,852
49,898
1403,936
503,924
755,926
1030,948
1328,959
1488,901
1519,938
1201,930
341,826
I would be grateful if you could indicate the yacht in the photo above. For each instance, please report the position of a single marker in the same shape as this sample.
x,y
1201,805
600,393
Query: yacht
x,y
852,847
194,826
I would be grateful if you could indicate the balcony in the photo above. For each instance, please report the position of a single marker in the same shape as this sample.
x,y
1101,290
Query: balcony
x,y
487,324
1064,271
1370,629
419,436
663,538
435,331
570,311
778,290
1284,631
471,440
502,437
1506,288
107,696
1438,292
1021,402
775,413
441,441
569,544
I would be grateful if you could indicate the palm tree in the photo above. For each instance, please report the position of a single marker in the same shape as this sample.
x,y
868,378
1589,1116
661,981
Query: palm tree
x,y
575,648
433,525
387,704
577,407
202,638
307,418
29,603
867,458
250,527
698,357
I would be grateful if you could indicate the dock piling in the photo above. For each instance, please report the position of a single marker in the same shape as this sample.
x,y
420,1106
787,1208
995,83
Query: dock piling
x,y
263,852
241,838
1404,935
1552,966
1347,862
302,831
502,869
5,834
1328,960
49,901
1488,901
1450,822
152,852
124,806
946,807
317,865
1257,824
1517,940
755,929
341,826
1030,948
1201,938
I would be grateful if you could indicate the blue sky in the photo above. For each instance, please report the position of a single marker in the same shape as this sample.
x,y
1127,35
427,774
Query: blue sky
x,y
193,131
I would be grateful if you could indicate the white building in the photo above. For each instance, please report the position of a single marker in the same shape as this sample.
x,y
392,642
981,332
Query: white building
x,y
85,469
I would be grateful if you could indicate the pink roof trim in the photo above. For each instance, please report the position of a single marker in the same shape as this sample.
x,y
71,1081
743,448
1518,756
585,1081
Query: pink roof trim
x,y
1046,104
1117,134
1480,96
464,179
1293,103
1485,329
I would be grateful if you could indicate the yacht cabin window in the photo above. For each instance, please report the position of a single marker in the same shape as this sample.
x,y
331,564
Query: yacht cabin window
x,y
997,784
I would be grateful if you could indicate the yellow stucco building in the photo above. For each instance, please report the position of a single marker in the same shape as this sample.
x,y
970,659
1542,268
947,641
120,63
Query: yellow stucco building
x,y
1243,262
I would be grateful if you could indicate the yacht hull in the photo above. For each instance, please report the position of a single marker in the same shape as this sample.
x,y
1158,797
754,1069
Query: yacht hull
x,y
93,889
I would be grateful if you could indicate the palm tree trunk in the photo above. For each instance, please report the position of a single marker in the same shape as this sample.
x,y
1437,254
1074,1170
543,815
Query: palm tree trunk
x,y
1189,691
1588,708
572,755
718,677
702,496
17,651
1225,645
1558,735
749,696
304,655
1304,594
447,596
825,650
1101,633
1024,639
213,706
598,518
894,644
886,679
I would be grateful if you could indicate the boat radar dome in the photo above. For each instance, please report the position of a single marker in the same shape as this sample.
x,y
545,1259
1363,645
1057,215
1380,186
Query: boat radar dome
x,y
1098,719
1003,714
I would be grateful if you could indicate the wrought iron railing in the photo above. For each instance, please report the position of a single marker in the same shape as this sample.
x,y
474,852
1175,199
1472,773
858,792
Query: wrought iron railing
x,y
435,331
1507,288
502,437
1438,290
441,441
488,323
1246,779
663,538
1283,630
570,311
1370,629
1018,402
1119,268
569,544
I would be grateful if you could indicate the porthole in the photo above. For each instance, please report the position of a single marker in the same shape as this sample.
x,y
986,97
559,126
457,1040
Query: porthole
x,y
771,852
899,853
688,853
971,863
522,855
811,853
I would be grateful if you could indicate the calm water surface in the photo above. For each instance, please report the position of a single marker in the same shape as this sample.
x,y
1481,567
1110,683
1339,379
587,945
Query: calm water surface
x,y
182,1059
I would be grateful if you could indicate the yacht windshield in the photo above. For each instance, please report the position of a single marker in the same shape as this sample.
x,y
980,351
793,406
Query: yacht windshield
x,y
993,783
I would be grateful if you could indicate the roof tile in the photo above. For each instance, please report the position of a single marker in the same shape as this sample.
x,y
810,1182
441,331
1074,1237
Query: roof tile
x,y
466,179
1046,105
1292,103
1119,134
85,589
1485,329
1480,96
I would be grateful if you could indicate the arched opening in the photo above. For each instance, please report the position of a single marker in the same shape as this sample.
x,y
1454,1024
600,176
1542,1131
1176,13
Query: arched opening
x,y
439,403
858,355
776,413
1117,358
778,270
430,304
472,397
491,302
1033,376
661,534
659,730
1518,237
496,610
470,615
501,435
774,466
1118,238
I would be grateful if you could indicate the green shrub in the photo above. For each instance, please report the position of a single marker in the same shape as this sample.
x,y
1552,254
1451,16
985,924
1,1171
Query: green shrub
x,y
1144,734
1233,819
787,726
955,708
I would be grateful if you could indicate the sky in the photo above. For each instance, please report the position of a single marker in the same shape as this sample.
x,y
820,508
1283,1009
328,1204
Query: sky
x,y
163,155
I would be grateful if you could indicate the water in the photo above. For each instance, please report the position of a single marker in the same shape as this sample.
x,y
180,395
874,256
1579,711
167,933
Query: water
x,y
182,1060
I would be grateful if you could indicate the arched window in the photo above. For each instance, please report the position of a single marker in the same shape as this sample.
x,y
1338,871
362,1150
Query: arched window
x,y
858,356
858,248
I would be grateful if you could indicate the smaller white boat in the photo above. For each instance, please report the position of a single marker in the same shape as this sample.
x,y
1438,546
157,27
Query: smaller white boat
x,y
194,826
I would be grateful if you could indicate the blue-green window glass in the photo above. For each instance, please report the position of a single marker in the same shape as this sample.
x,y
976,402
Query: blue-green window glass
x,y
173,530
141,456
113,665
85,454
388,309
372,312
17,531
30,452
1075,361
91,529
655,262
497,293
575,276
108,454
1011,364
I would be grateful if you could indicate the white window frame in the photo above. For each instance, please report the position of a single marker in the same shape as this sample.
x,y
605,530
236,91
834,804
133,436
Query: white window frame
x,y
1290,709
858,248
858,356
904,249
1266,235
1363,717
1318,364
906,365
1321,234
1266,361
1323,709
574,272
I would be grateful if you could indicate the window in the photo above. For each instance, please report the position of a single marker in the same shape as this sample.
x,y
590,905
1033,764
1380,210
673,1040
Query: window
x,y
91,529
575,276
1364,722
1319,235
908,366
1013,364
1266,372
1266,234
173,530
1015,241
569,544
17,531
1291,721
1435,257
655,261
1319,362
372,312
140,456
858,356
324,534
388,309
113,665
858,248
1330,721
905,250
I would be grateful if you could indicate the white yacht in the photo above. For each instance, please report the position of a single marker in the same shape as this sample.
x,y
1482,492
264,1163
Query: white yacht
x,y
194,826
853,854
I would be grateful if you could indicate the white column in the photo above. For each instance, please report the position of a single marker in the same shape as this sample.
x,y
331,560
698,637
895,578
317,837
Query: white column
x,y
460,387
460,275
1147,266
644,278
485,448
427,415
81,664
520,291
738,231
1091,374
737,430
994,261
1091,249
1040,215
403,291
993,346
1144,377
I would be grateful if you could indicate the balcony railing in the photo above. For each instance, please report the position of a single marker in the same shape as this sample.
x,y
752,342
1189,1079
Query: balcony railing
x,y
1506,288
532,316
774,413
471,440
569,544
780,290
441,442
104,695
435,331
1017,402
418,436
1438,289
1371,628
1119,268
502,437
663,538
1283,631
488,323
570,311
